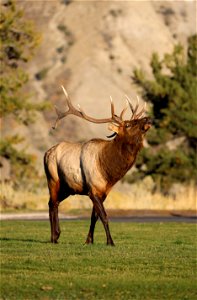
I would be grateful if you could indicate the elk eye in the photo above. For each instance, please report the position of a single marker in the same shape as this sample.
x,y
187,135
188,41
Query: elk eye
x,y
127,125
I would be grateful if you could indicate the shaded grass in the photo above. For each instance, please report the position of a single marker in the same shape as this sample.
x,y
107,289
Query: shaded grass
x,y
150,261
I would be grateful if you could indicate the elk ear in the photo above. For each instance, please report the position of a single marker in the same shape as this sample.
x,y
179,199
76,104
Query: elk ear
x,y
114,128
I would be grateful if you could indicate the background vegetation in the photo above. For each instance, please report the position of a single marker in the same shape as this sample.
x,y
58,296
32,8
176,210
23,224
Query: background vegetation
x,y
172,93
19,40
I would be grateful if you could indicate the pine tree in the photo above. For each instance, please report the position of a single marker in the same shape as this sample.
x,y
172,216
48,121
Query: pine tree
x,y
171,156
18,43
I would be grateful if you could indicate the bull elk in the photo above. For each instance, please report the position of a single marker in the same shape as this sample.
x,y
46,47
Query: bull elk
x,y
92,168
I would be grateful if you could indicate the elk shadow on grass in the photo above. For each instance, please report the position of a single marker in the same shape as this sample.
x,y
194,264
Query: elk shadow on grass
x,y
24,240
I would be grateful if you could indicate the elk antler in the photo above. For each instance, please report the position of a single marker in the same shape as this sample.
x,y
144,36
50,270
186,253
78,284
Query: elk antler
x,y
80,113
134,110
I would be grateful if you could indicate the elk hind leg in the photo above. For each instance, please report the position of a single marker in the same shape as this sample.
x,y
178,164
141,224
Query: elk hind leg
x,y
54,221
53,212
94,218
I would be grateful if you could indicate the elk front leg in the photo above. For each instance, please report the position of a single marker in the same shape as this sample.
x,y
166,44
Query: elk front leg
x,y
99,208
54,221
94,218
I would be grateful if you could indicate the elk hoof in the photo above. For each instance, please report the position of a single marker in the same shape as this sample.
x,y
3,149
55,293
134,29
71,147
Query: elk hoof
x,y
53,241
111,243
89,241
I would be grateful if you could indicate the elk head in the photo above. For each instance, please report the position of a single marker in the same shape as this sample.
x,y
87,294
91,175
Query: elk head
x,y
132,129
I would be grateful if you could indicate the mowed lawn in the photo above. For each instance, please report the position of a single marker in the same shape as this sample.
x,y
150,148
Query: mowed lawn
x,y
149,261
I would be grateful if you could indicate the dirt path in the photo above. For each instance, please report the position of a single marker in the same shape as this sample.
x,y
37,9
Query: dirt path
x,y
32,216
143,217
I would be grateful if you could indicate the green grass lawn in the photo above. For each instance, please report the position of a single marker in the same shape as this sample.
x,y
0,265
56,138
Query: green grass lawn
x,y
150,261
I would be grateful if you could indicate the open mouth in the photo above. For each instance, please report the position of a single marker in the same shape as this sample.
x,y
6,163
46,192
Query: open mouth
x,y
148,125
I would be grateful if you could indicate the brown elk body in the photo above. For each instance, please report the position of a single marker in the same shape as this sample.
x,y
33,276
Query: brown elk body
x,y
92,168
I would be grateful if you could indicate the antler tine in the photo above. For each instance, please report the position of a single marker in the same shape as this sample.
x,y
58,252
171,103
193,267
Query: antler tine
x,y
136,108
71,109
141,112
65,92
112,107
115,118
60,115
124,109
81,111
130,105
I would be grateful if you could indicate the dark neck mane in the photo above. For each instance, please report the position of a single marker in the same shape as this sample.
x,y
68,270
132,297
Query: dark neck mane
x,y
117,157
